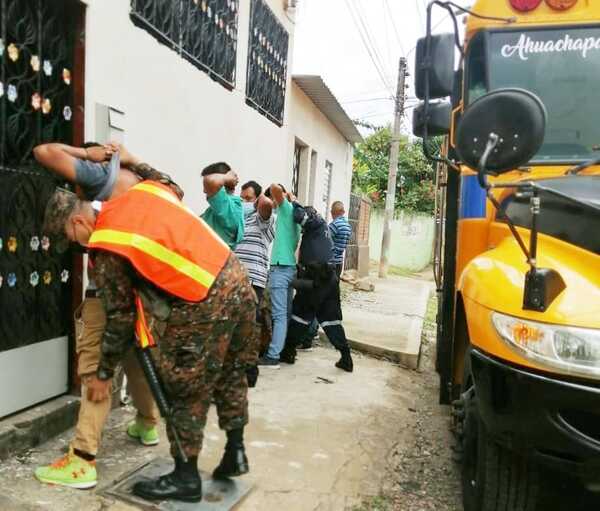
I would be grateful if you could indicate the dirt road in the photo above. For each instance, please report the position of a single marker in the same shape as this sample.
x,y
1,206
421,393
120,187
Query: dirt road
x,y
422,475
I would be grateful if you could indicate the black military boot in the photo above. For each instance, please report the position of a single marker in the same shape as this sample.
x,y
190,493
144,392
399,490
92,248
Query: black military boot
x,y
345,362
183,484
288,354
234,462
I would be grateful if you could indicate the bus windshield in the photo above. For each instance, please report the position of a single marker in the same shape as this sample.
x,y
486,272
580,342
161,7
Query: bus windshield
x,y
562,67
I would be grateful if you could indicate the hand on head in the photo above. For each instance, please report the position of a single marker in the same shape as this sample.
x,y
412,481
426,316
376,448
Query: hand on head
x,y
231,180
100,154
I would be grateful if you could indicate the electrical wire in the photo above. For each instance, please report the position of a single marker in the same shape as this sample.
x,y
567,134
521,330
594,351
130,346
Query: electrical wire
x,y
387,98
368,48
420,14
367,30
387,4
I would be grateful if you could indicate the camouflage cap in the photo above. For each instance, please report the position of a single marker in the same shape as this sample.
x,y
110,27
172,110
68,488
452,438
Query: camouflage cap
x,y
59,207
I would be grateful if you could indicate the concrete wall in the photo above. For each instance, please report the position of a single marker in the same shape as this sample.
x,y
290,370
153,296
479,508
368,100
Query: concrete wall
x,y
321,143
180,120
412,240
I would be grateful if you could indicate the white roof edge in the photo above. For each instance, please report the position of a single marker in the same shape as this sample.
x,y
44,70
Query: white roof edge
x,y
318,92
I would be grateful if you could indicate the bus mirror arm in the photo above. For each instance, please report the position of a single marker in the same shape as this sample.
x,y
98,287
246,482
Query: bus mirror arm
x,y
542,285
482,172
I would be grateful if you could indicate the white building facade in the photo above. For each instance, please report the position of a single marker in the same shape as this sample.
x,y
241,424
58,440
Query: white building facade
x,y
183,84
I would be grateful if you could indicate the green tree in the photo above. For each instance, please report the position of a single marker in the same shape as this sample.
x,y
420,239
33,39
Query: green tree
x,y
415,190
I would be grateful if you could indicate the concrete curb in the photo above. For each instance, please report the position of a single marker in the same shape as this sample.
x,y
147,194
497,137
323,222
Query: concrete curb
x,y
408,358
36,425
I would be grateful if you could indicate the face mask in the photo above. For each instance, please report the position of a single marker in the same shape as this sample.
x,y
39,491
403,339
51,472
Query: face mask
x,y
248,208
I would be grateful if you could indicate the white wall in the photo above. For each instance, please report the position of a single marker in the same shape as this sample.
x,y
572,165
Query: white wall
x,y
411,245
177,118
309,125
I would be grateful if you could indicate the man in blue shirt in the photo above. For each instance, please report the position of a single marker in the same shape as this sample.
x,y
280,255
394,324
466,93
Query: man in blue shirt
x,y
341,232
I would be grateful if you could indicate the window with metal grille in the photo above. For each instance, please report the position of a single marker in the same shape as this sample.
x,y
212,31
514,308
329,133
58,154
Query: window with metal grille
x,y
327,187
204,32
296,169
267,62
37,46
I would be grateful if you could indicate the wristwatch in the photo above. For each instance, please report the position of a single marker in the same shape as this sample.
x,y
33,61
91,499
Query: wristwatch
x,y
104,374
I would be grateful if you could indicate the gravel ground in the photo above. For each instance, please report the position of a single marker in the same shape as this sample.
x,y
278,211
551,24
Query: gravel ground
x,y
422,475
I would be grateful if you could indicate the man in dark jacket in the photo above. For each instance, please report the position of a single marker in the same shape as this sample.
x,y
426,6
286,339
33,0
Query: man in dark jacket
x,y
317,289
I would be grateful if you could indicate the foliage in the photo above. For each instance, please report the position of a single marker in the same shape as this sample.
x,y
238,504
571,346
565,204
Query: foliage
x,y
376,503
415,190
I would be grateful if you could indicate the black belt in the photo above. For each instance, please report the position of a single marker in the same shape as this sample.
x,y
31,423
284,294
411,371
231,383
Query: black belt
x,y
91,293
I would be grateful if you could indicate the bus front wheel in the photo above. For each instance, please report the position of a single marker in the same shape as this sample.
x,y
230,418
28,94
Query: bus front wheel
x,y
493,477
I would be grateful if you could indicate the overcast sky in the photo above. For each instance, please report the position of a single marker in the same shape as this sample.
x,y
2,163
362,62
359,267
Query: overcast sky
x,y
328,43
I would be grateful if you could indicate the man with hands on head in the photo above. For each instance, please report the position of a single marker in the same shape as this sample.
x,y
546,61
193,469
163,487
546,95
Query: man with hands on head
x,y
100,172
224,214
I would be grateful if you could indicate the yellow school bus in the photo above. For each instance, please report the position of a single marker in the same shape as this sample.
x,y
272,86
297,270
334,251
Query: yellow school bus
x,y
518,248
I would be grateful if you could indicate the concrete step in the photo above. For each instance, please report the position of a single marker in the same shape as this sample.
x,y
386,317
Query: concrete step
x,y
388,322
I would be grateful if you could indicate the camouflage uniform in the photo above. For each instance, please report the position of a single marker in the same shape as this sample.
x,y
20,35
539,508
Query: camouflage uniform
x,y
203,351
265,322
148,173
204,347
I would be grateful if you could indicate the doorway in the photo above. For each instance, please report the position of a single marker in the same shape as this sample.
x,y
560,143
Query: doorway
x,y
41,89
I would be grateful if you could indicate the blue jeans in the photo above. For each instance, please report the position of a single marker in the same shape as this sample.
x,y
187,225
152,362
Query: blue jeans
x,y
280,283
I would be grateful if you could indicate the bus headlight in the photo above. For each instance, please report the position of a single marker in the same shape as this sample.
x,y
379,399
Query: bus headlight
x,y
570,350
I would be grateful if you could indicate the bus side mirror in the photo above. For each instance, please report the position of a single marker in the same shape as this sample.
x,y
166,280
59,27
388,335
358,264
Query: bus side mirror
x,y
515,117
440,66
438,122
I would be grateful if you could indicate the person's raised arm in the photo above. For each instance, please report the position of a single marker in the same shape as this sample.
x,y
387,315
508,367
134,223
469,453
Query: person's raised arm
x,y
60,158
264,207
277,194
214,182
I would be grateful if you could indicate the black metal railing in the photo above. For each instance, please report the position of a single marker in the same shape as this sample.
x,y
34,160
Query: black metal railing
x,y
204,32
267,62
36,58
359,216
296,169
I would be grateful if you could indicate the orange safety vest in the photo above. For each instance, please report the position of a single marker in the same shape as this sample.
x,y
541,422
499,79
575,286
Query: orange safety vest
x,y
164,241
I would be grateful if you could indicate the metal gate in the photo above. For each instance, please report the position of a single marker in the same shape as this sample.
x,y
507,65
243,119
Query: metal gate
x,y
359,217
36,65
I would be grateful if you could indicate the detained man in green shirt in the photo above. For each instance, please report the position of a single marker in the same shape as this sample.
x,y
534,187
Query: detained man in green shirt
x,y
225,214
283,271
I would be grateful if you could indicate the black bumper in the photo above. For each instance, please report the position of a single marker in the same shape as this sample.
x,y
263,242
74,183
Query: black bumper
x,y
556,421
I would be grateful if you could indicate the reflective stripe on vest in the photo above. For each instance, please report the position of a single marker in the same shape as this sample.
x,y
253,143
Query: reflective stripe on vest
x,y
163,239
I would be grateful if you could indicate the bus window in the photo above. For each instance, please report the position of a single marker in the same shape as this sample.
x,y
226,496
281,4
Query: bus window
x,y
476,68
562,67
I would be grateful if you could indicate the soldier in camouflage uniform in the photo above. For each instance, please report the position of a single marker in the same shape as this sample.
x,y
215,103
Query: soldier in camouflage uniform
x,y
204,348
100,172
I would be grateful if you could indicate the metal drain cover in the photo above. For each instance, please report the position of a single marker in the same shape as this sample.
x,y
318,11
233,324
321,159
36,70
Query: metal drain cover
x,y
216,495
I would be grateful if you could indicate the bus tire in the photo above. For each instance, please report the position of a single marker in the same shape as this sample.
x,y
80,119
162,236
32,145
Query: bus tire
x,y
493,477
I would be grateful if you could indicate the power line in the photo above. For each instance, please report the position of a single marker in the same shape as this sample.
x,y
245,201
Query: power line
x,y
394,25
418,4
432,30
387,98
367,31
368,48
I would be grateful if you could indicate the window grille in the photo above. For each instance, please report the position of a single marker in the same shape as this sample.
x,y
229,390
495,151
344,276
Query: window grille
x,y
326,197
267,62
296,169
36,89
204,32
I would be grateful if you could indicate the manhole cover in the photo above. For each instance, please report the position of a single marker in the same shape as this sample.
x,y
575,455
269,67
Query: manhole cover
x,y
216,495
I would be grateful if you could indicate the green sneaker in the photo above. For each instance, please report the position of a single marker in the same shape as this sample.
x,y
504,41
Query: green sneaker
x,y
71,471
146,435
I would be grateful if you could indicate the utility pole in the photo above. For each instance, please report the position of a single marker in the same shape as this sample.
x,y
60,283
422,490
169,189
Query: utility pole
x,y
390,200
